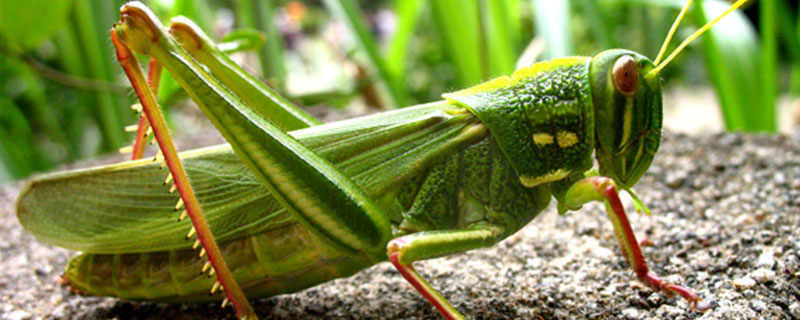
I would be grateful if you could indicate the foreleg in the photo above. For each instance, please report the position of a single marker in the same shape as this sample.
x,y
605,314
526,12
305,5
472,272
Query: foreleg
x,y
604,190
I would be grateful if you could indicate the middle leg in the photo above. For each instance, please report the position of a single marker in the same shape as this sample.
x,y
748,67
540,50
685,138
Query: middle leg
x,y
403,251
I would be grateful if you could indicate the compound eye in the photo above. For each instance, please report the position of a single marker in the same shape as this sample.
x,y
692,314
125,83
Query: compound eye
x,y
626,75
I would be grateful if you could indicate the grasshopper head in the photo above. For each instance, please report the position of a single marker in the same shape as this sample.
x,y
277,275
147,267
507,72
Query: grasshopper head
x,y
626,92
627,114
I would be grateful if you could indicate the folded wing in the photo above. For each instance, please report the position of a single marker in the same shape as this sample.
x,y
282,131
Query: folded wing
x,y
126,207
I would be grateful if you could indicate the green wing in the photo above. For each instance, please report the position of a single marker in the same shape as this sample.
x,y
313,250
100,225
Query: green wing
x,y
125,208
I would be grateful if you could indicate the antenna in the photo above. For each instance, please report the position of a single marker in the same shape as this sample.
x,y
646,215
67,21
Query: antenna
x,y
696,34
671,33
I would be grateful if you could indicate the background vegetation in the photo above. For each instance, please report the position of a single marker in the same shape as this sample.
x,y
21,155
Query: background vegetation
x,y
62,97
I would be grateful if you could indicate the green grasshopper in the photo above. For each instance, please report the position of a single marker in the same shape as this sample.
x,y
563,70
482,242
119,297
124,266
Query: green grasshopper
x,y
294,203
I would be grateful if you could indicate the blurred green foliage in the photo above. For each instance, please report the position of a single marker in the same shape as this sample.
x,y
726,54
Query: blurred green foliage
x,y
62,97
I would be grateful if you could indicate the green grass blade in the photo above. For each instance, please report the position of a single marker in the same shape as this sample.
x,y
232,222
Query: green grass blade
x,y
5,175
768,65
502,31
796,69
675,4
459,27
26,24
790,36
169,92
597,21
16,141
199,11
240,40
408,13
36,96
551,19
655,26
108,113
258,14
348,12
272,52
71,59
731,53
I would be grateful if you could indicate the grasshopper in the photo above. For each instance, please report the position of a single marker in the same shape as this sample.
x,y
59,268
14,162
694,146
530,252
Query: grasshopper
x,y
293,203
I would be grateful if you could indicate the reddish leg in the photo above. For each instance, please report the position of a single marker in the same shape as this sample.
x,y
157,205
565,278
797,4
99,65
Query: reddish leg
x,y
405,250
142,129
425,289
188,200
603,189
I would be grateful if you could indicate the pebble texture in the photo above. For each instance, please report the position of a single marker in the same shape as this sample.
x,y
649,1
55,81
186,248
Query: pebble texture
x,y
726,210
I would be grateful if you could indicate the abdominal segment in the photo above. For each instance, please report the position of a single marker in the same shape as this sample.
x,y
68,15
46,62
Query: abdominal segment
x,y
284,260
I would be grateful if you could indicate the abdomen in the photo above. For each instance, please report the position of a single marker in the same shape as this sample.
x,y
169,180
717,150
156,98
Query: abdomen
x,y
284,260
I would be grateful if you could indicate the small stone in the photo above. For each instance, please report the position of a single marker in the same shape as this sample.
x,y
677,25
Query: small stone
x,y
780,178
762,275
43,270
655,299
535,262
794,309
315,309
766,259
601,252
744,282
18,315
667,311
703,260
630,313
60,312
776,309
758,305
765,236
674,180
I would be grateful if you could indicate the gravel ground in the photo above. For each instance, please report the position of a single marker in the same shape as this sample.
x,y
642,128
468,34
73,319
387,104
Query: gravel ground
x,y
725,214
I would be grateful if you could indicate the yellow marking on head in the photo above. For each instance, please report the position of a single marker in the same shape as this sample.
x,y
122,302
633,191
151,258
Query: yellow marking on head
x,y
627,121
566,139
541,139
529,181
